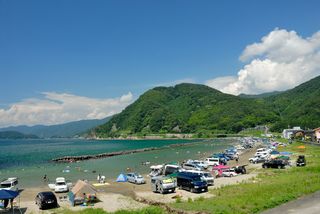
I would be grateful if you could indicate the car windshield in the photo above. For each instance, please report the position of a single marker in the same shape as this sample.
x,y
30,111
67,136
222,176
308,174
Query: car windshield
x,y
171,170
6,185
207,175
167,181
197,178
60,183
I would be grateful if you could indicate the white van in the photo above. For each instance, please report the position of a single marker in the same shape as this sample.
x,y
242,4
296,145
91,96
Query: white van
x,y
263,154
261,150
212,161
9,184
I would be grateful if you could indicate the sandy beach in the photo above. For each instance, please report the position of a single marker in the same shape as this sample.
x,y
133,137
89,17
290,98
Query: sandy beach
x,y
117,196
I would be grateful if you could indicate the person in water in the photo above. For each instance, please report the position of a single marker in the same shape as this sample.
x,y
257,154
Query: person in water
x,y
45,178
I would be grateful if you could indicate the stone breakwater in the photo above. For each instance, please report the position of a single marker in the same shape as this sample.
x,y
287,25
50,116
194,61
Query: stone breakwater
x,y
67,159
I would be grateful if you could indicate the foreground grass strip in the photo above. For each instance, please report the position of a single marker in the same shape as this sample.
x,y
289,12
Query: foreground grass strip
x,y
271,188
147,210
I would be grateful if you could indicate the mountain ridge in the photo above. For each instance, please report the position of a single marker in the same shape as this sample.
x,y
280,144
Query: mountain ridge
x,y
64,130
194,108
16,135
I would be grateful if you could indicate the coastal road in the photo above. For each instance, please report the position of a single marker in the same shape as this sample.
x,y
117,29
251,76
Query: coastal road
x,y
309,204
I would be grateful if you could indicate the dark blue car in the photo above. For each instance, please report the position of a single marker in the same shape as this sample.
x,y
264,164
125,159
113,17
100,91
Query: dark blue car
x,y
191,182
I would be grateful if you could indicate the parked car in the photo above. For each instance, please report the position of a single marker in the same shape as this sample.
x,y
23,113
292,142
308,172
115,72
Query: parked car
x,y
261,150
240,169
276,163
9,184
191,182
257,159
263,154
135,178
202,164
61,185
301,161
156,170
191,166
163,184
170,169
229,173
46,200
221,156
206,176
213,161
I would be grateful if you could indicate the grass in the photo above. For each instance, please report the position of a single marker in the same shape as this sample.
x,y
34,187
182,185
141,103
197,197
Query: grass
x,y
251,132
147,210
270,188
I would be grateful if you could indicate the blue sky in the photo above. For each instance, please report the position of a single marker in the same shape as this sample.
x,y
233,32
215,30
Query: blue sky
x,y
106,49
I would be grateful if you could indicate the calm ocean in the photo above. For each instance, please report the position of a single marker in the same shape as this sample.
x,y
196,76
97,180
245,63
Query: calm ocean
x,y
30,159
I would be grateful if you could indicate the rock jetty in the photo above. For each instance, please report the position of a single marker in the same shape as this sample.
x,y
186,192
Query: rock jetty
x,y
67,159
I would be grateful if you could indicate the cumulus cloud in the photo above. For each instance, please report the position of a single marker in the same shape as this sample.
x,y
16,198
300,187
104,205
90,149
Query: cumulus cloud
x,y
55,108
281,60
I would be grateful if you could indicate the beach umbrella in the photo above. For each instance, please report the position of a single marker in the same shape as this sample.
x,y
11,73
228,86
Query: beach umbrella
x,y
8,194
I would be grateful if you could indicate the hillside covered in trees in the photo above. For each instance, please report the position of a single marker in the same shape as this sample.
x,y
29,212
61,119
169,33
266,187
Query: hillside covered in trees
x,y
193,108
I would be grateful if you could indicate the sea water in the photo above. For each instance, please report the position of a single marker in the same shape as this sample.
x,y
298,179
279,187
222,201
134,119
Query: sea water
x,y
30,160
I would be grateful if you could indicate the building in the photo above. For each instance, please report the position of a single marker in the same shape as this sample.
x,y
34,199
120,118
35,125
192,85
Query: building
x,y
288,133
317,134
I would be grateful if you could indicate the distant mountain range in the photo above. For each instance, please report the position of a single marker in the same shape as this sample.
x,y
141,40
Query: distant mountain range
x,y
16,135
193,108
66,130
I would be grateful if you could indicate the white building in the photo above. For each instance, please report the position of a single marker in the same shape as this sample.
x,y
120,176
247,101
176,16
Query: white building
x,y
287,133
317,133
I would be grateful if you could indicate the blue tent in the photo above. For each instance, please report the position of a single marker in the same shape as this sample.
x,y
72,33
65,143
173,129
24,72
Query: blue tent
x,y
274,152
122,178
8,194
285,153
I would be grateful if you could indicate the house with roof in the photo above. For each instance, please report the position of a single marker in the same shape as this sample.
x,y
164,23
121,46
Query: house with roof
x,y
288,133
317,134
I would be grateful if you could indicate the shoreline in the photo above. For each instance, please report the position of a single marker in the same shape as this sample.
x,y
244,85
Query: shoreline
x,y
68,159
189,136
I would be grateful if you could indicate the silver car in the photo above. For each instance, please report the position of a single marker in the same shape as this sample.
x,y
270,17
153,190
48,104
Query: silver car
x,y
191,166
135,178
163,184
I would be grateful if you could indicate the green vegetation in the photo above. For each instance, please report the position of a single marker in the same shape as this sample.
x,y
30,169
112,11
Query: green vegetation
x,y
270,188
252,132
192,108
147,210
16,135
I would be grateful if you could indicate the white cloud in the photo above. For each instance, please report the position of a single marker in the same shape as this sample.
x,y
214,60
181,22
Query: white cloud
x,y
281,60
55,108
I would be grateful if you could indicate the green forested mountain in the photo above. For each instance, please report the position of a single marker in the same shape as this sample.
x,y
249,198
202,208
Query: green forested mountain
x,y
299,106
192,108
